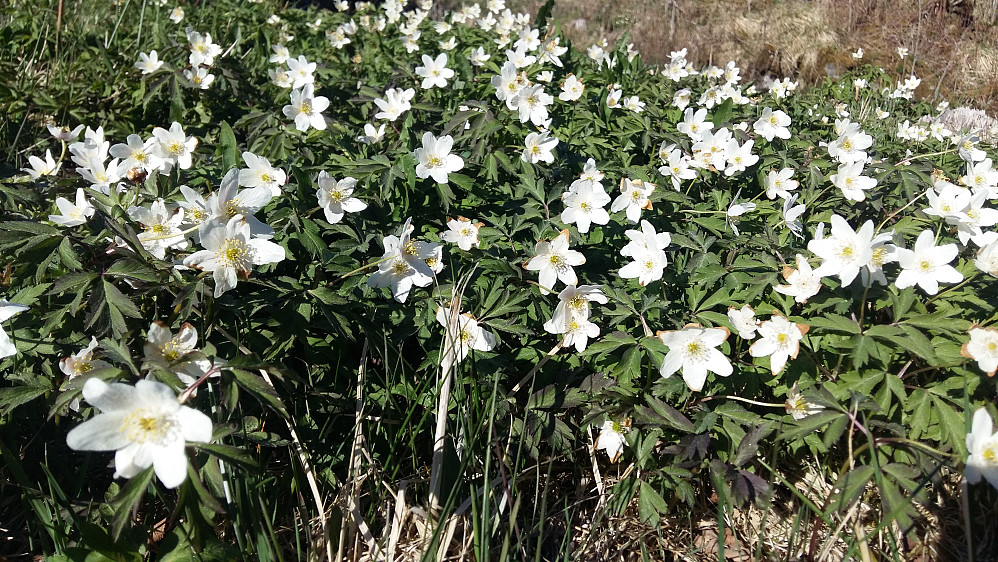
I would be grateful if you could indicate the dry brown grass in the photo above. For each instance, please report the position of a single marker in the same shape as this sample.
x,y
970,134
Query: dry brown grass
x,y
954,51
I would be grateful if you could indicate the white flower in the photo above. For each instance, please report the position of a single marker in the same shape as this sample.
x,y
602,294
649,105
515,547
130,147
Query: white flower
x,y
478,56
791,216
81,363
531,102
463,232
538,148
846,251
203,51
144,424
138,153
804,283
677,166
335,197
987,259
462,333
694,350
633,197
281,54
434,160
301,72
647,249
584,206
7,310
64,132
229,202
780,183
851,144
858,54
737,209
306,109
571,316
149,63
396,103
613,98
927,264
798,407
743,321
555,261
199,77
779,340
571,89
403,265
280,77
983,348
230,253
259,173
73,215
982,445
161,228
174,146
434,72
772,124
372,135
902,52
39,167
634,104
851,182
177,14
611,439
507,83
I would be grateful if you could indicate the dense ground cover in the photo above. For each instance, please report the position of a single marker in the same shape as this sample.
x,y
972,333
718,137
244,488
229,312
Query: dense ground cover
x,y
404,282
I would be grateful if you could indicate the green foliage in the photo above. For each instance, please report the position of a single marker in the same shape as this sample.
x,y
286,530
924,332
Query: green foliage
x,y
318,363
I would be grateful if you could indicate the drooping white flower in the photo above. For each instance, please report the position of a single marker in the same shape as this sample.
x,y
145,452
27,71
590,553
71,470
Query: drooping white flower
x,y
462,333
144,424
463,232
926,264
554,261
434,158
779,339
231,253
611,438
982,446
7,310
335,197
230,201
694,350
987,259
798,407
39,167
791,216
372,135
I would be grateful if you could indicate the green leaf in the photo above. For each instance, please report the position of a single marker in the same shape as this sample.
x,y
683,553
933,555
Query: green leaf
x,y
227,146
255,385
651,505
11,398
128,500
